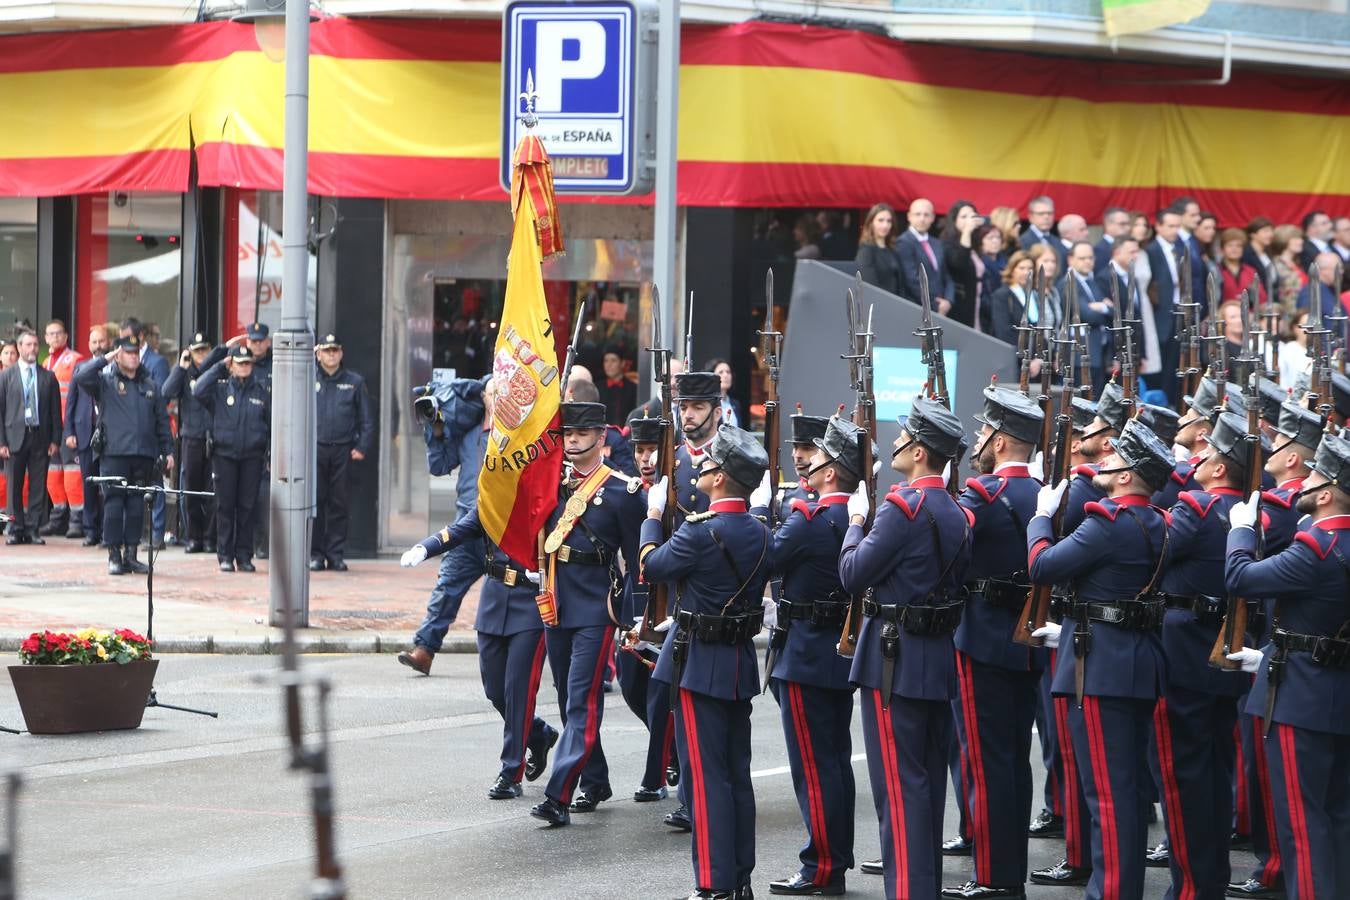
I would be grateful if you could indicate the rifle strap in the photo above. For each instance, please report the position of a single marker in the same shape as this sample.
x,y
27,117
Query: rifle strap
x,y
1148,542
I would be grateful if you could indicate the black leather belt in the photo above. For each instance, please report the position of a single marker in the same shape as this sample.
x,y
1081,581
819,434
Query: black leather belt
x,y
1132,615
507,575
1004,593
1333,653
819,612
721,629
924,621
568,554
1061,599
1207,610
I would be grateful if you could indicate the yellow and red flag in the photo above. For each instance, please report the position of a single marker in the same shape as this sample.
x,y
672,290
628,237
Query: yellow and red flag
x,y
518,483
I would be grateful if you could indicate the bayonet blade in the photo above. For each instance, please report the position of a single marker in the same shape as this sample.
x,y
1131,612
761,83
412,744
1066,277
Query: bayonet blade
x,y
925,298
689,334
768,302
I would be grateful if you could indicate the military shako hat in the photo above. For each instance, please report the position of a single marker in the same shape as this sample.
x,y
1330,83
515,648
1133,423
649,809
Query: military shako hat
x,y
241,353
576,414
698,386
1142,451
199,342
806,429
1229,437
1084,412
1300,424
1271,397
936,427
644,431
1333,461
1012,413
1162,421
1340,394
842,442
1205,401
739,454
1111,406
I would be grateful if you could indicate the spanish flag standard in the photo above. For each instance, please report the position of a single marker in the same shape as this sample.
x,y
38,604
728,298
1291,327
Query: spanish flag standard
x,y
518,483
1134,16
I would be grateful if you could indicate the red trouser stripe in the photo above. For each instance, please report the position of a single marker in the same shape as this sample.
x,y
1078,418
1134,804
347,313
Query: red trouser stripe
x,y
536,672
973,747
1106,807
1074,851
895,799
698,790
1298,821
815,802
1243,811
1271,870
594,695
1176,819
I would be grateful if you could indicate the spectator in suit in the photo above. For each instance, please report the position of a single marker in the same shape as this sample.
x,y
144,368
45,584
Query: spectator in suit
x,y
1094,308
1191,217
1328,284
1236,274
918,249
30,432
1041,214
1260,233
732,414
1165,293
988,240
1009,224
1115,225
958,246
876,258
1292,275
1072,229
78,428
1124,260
1318,230
618,392
1340,242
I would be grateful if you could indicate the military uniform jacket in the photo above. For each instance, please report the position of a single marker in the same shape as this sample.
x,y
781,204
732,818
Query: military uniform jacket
x,y
136,422
1081,492
788,491
1181,479
1106,558
343,408
1311,586
1281,517
687,463
1197,533
899,559
241,412
1002,504
587,594
194,419
805,551
694,563
502,610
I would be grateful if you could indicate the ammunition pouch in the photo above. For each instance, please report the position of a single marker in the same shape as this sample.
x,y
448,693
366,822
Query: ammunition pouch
x,y
922,621
830,612
1002,593
1206,610
1131,615
727,630
1328,652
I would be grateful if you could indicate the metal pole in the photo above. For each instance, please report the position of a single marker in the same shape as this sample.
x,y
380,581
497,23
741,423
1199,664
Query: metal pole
x,y
667,133
293,347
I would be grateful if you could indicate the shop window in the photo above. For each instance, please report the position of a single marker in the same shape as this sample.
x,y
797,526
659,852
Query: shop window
x,y
253,283
18,263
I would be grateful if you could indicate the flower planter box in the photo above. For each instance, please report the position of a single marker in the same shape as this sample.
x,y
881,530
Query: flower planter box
x,y
75,698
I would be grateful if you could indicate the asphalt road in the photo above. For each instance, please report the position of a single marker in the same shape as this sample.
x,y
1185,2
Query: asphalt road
x,y
191,807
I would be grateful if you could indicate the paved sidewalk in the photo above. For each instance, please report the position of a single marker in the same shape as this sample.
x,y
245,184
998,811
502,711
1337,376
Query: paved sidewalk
x,y
375,607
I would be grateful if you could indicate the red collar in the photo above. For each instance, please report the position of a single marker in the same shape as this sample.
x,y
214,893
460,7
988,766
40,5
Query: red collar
x,y
1194,460
1333,523
928,481
1014,471
1226,491
1293,484
801,483
833,499
1130,500
729,505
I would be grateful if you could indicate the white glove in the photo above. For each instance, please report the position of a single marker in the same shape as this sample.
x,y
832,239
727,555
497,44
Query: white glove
x,y
858,502
761,495
876,467
1250,658
1036,468
1243,513
770,613
532,577
664,626
1049,631
656,497
413,556
1047,498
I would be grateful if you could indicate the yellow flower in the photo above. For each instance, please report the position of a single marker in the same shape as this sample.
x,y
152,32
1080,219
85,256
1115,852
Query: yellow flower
x,y
86,634
102,635
102,652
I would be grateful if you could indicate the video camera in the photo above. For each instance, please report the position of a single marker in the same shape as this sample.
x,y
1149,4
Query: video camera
x,y
427,403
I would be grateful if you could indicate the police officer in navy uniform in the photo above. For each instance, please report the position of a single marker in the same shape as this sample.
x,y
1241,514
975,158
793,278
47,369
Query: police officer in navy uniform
x,y
593,528
809,678
1196,716
805,431
241,425
136,440
719,562
345,431
998,677
257,336
913,562
1307,667
194,434
510,652
1109,645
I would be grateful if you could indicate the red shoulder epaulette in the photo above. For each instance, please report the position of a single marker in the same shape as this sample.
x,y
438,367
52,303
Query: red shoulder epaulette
x,y
1085,469
1097,508
802,507
970,516
979,487
1281,502
1201,509
1316,545
898,499
1179,476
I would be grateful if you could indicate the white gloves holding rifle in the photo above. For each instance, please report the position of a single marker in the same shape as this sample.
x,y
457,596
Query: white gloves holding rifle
x,y
1047,498
858,502
656,499
1049,632
1243,513
761,495
1249,657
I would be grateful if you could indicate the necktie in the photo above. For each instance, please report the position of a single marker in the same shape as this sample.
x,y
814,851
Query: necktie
x,y
29,405
928,248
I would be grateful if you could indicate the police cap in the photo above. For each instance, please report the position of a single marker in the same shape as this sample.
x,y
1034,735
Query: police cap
x,y
328,341
935,427
128,343
1012,413
240,352
698,386
577,414
257,331
1300,424
644,431
199,342
842,443
1141,450
740,455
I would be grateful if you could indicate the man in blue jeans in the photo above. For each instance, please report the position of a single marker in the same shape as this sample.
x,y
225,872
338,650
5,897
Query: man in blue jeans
x,y
454,432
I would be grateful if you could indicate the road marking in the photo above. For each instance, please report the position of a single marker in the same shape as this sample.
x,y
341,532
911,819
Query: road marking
x,y
783,770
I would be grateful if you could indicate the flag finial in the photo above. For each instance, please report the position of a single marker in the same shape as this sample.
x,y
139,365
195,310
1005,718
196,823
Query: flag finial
x,y
528,97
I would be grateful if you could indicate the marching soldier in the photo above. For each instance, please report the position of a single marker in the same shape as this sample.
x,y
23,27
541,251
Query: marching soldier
x,y
344,435
1112,661
913,562
594,524
194,432
806,430
720,561
1303,674
1202,409
998,678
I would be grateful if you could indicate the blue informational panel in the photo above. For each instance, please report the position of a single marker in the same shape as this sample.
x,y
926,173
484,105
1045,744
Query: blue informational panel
x,y
592,71
898,376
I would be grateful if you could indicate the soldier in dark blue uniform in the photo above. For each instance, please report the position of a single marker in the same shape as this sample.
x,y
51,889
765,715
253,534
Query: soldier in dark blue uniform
x,y
998,678
1196,717
136,436
345,431
1112,652
913,564
593,527
810,679
241,426
510,652
194,434
1307,666
719,561
806,430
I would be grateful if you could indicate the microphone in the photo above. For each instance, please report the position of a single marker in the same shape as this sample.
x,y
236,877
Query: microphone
x,y
107,479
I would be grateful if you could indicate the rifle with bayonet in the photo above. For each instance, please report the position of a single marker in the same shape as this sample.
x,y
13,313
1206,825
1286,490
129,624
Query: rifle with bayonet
x,y
658,595
1046,327
770,349
1188,328
1336,322
930,344
1026,348
859,358
1122,331
1218,368
1319,339
1083,356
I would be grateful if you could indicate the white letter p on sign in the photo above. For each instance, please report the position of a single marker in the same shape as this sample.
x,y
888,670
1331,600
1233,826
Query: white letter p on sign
x,y
551,69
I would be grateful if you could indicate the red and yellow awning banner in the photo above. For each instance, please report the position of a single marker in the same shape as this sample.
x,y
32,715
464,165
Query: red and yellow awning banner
x,y
770,115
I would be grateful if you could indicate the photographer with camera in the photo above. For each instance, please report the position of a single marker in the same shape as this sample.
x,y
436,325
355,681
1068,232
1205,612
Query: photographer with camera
x,y
196,521
455,427
137,443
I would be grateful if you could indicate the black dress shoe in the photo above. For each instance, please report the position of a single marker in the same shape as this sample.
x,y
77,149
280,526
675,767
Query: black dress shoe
x,y
552,812
1240,841
973,889
316,565
1158,857
872,867
91,540
799,886
587,801
504,789
957,846
337,565
1046,825
672,776
226,566
75,531
1254,888
536,757
649,795
13,538
710,894
210,546
746,892
245,565
195,547
1063,874
679,819
31,538
262,552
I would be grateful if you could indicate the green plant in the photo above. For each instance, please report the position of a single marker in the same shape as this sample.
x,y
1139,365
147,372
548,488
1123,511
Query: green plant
x,y
85,647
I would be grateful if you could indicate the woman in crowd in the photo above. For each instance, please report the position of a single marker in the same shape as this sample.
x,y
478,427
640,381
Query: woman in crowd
x,y
1237,275
1141,229
805,234
1006,304
1294,352
1285,248
876,257
958,248
988,243
1205,234
731,410
1043,259
1260,232
1009,224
